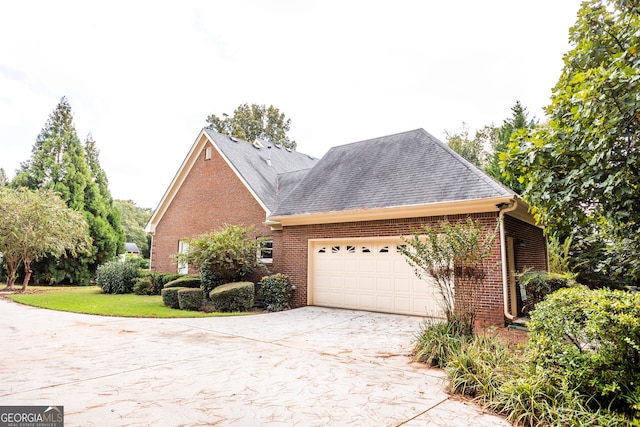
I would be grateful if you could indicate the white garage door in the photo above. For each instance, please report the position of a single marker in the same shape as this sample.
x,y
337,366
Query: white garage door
x,y
368,275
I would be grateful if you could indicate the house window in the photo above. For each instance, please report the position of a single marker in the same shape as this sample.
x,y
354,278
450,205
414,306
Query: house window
x,y
384,250
265,251
351,249
335,249
183,267
207,153
322,250
366,250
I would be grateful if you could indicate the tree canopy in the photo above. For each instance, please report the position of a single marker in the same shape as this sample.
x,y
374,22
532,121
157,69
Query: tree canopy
x,y
60,162
251,122
473,150
582,167
37,224
134,219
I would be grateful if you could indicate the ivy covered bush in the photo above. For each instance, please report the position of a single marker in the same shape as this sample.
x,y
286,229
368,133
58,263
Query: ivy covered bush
x,y
117,277
190,299
276,292
237,296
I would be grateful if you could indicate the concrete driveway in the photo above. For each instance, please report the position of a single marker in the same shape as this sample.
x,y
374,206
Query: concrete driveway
x,y
307,367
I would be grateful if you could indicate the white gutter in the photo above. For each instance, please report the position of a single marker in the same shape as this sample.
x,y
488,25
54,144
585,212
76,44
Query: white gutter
x,y
503,255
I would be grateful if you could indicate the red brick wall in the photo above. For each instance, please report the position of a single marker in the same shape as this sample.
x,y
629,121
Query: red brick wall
x,y
211,196
291,245
530,244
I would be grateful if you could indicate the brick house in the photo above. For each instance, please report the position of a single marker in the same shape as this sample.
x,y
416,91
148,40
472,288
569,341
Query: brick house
x,y
335,224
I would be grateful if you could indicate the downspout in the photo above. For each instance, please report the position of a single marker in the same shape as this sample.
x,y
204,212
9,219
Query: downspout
x,y
503,255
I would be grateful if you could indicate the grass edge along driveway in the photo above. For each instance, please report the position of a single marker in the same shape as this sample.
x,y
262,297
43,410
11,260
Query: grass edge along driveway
x,y
91,300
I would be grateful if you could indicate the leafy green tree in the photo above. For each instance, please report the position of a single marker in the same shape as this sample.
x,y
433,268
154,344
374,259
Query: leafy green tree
x,y
59,162
134,219
518,120
473,150
250,122
36,224
582,167
3,178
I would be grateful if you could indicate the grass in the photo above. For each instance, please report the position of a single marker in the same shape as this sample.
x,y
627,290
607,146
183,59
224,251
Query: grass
x,y
91,300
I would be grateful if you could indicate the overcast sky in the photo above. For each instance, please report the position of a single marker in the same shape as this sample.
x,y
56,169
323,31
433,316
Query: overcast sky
x,y
142,76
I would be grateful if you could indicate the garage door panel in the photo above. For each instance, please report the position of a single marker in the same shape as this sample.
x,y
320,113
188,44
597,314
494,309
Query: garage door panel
x,y
369,276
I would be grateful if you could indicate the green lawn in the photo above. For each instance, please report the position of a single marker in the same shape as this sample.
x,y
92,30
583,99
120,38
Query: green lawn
x,y
91,300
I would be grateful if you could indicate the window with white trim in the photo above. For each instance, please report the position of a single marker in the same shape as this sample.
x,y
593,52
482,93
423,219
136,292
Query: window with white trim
x,y
265,251
207,153
183,247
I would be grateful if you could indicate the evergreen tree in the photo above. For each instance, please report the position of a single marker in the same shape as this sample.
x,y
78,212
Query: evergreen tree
x,y
518,120
58,162
134,219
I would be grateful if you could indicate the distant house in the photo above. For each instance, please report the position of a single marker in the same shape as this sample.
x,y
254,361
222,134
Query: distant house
x,y
334,224
131,249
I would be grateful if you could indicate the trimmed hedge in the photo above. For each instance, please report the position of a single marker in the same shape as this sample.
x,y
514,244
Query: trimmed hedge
x,y
190,298
151,283
170,297
276,291
237,296
184,282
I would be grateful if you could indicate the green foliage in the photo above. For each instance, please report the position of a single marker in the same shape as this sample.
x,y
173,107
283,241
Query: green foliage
x,y
453,256
144,286
582,167
184,282
209,280
472,150
229,253
61,163
151,283
37,224
437,342
237,296
170,297
538,284
590,341
134,219
559,254
250,122
276,292
500,145
190,299
115,277
480,366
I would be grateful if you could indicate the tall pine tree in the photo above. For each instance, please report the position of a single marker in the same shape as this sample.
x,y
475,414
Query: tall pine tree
x,y
59,162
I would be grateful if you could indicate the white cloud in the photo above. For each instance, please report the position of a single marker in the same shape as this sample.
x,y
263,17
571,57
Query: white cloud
x,y
142,76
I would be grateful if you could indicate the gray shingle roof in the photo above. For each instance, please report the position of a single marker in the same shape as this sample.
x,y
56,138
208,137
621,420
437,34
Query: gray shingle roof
x,y
252,164
410,168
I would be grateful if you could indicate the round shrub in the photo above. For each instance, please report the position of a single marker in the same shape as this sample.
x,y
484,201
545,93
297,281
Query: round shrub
x,y
184,282
144,286
237,296
275,292
539,284
170,297
209,280
590,341
116,277
190,298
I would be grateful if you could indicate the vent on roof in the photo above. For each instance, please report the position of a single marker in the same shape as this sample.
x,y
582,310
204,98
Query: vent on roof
x,y
258,144
233,139
277,145
288,149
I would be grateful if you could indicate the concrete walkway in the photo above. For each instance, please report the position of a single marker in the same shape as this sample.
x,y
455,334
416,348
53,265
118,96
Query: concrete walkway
x,y
304,367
